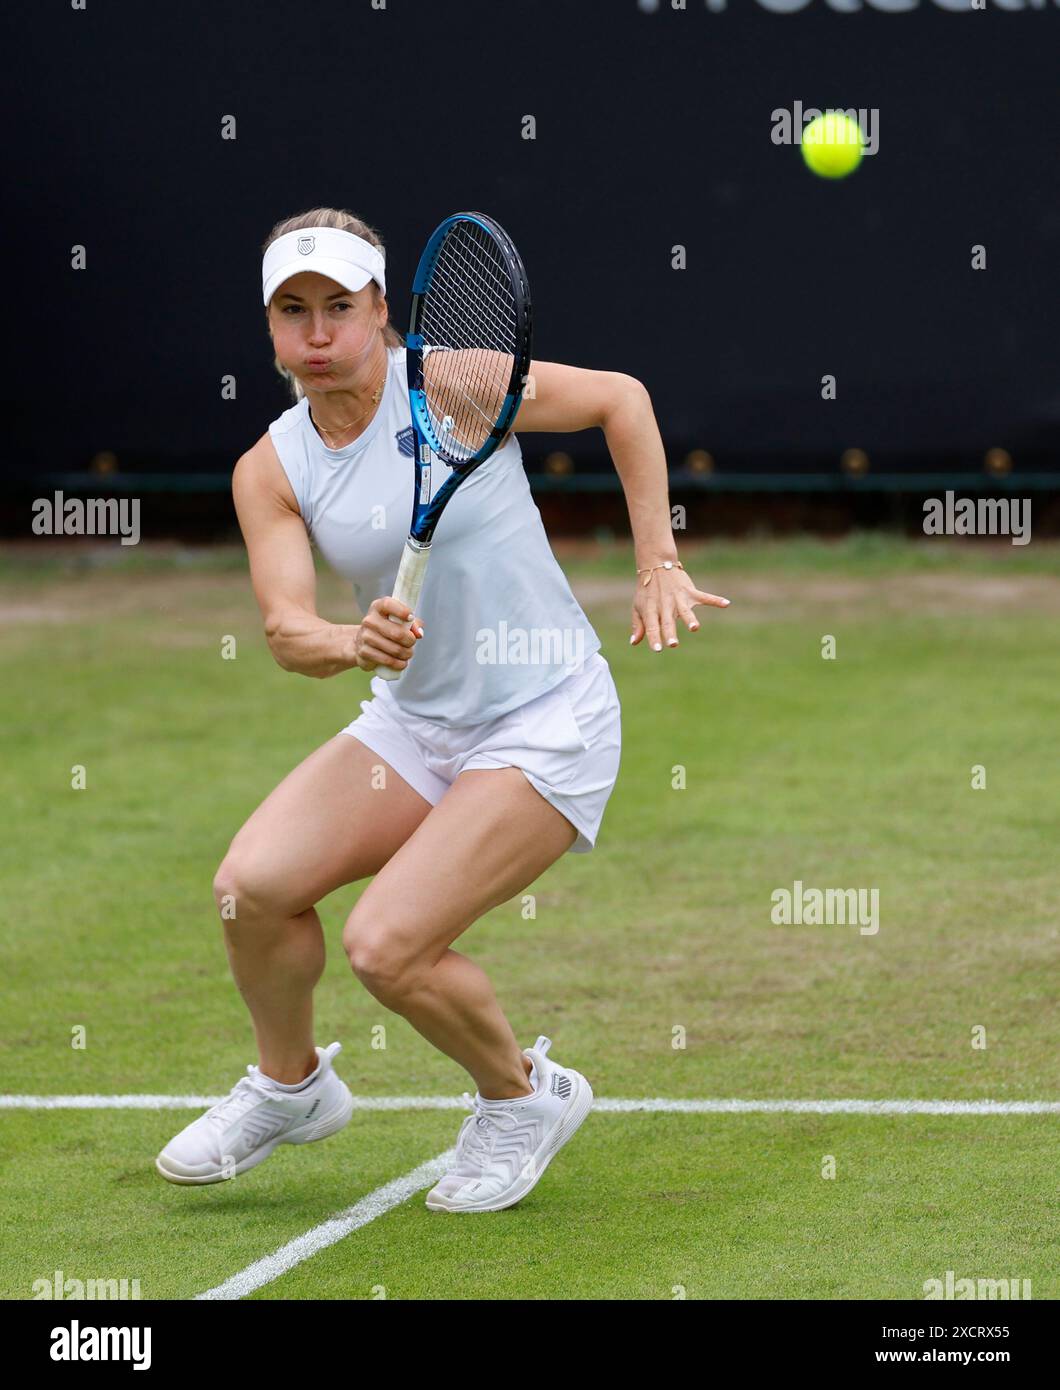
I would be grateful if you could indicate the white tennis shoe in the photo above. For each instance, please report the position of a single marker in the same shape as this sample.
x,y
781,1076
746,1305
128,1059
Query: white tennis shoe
x,y
504,1146
244,1128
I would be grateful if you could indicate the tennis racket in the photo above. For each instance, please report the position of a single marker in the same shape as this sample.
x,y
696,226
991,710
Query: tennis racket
x,y
467,359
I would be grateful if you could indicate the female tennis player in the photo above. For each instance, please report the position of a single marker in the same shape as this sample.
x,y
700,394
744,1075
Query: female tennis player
x,y
458,784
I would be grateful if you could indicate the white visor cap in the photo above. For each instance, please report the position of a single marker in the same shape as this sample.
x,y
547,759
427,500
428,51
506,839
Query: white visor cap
x,y
342,256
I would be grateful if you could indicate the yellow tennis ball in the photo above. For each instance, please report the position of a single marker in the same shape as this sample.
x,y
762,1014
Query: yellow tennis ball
x,y
831,145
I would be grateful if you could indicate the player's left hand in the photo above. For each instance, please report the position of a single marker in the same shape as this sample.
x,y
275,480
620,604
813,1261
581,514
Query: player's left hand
x,y
669,595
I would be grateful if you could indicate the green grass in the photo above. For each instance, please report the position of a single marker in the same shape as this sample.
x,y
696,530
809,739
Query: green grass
x,y
853,772
868,553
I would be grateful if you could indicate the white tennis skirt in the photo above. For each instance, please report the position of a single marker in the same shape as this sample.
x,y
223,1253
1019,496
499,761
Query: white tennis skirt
x,y
567,742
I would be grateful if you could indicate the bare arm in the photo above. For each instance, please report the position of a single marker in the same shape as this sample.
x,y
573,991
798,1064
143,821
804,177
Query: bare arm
x,y
284,580
281,569
573,398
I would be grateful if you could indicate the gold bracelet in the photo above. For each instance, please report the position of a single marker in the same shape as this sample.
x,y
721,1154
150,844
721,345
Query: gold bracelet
x,y
666,565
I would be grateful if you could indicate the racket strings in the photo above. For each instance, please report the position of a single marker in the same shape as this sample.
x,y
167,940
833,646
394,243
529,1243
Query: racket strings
x,y
470,252
470,388
494,301
494,323
469,323
465,315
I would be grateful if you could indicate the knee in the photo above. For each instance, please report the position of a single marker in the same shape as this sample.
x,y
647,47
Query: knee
x,y
385,970
245,890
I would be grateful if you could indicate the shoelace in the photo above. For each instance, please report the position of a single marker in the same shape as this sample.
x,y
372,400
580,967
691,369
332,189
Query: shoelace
x,y
477,1133
245,1093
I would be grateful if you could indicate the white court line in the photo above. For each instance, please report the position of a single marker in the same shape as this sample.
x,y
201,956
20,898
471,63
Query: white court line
x,y
336,1228
393,1194
148,1102
659,1105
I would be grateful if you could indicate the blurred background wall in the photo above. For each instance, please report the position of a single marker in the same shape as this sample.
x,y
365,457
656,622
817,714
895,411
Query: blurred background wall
x,y
666,234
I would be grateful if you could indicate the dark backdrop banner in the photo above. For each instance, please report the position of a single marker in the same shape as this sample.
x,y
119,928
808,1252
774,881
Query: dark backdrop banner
x,y
666,231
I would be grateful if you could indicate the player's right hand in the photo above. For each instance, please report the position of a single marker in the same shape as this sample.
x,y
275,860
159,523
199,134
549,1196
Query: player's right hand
x,y
380,641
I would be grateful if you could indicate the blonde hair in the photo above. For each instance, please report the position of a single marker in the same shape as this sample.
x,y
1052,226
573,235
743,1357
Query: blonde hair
x,y
344,222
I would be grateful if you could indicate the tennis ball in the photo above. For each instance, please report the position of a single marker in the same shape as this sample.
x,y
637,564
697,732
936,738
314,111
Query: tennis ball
x,y
831,145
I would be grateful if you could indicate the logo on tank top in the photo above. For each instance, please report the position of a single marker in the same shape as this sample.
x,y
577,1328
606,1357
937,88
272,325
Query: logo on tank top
x,y
405,442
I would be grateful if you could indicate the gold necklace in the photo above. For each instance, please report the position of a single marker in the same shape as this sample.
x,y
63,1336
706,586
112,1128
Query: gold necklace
x,y
377,395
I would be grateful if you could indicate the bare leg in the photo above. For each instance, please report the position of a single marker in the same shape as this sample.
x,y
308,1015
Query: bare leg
x,y
323,826
489,837
276,963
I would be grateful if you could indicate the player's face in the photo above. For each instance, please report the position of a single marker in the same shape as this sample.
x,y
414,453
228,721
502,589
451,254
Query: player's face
x,y
322,333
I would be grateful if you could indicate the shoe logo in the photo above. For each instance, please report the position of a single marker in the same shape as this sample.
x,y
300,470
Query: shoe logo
x,y
561,1085
309,1112
259,1130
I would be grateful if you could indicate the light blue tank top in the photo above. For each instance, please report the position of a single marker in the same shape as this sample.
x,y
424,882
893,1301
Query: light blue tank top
x,y
501,624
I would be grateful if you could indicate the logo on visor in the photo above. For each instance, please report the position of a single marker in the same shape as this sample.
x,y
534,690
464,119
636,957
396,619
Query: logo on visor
x,y
306,245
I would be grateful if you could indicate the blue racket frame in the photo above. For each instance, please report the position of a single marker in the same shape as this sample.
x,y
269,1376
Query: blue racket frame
x,y
425,509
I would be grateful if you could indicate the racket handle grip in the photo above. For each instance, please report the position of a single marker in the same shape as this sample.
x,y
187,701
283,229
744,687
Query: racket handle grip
x,y
407,588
